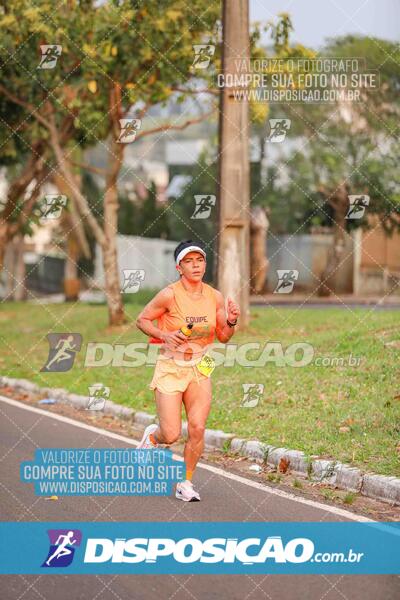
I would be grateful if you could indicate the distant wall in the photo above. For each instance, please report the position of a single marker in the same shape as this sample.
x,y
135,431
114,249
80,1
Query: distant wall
x,y
371,263
154,256
308,254
377,261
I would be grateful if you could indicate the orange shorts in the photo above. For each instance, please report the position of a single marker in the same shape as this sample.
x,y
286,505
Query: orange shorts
x,y
170,377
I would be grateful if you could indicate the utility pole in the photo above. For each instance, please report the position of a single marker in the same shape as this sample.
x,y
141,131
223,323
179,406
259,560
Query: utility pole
x,y
233,269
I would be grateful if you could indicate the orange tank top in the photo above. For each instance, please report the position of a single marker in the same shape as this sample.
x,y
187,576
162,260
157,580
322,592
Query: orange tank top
x,y
186,309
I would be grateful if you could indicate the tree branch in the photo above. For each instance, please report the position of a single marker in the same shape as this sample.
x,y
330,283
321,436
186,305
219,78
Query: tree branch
x,y
176,127
20,184
71,217
115,104
200,91
90,168
26,105
80,200
29,204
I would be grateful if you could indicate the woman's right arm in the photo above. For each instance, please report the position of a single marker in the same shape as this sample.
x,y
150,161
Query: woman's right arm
x,y
152,311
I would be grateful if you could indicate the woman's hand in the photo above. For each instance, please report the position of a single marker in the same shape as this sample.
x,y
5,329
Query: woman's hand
x,y
233,310
173,339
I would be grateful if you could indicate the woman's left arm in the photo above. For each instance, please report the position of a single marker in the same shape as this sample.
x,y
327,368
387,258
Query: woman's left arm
x,y
224,331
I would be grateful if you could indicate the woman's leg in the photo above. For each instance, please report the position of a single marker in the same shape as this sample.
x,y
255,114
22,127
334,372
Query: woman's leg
x,y
169,409
197,401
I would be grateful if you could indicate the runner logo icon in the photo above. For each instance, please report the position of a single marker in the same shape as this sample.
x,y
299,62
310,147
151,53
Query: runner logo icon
x,y
63,347
62,547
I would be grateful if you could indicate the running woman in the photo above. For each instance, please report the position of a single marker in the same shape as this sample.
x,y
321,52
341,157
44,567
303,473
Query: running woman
x,y
182,371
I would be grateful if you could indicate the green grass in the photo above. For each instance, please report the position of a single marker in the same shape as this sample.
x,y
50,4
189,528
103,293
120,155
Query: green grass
x,y
349,498
302,408
297,484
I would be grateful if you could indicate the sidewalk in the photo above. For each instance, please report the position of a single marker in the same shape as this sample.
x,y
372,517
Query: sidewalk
x,y
336,300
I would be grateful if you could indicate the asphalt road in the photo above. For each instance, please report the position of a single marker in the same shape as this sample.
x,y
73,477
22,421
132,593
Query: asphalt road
x,y
223,499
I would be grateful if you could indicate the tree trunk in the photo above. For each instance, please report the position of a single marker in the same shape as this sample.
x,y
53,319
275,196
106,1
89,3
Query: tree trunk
x,y
71,276
14,266
3,241
72,222
339,202
105,238
80,201
110,257
11,231
38,168
76,241
34,169
258,249
20,292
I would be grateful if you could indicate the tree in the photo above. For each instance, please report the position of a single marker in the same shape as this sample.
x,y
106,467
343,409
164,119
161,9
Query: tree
x,y
24,98
280,31
97,85
345,147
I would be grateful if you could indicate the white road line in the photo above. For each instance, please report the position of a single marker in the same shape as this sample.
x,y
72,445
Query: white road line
x,y
216,470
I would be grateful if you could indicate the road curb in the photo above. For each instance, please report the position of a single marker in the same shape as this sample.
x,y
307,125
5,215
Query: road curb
x,y
331,472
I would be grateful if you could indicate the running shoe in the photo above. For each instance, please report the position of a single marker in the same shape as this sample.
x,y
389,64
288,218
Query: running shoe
x,y
145,441
185,492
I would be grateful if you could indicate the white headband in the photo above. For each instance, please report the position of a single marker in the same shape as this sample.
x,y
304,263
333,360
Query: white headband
x,y
185,251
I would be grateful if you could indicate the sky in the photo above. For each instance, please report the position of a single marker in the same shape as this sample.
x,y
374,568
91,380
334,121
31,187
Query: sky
x,y
316,20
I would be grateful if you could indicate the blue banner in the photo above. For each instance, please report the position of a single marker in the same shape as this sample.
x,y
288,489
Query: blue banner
x,y
208,547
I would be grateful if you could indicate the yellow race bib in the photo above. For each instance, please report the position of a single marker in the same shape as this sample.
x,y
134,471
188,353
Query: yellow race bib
x,y
206,366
